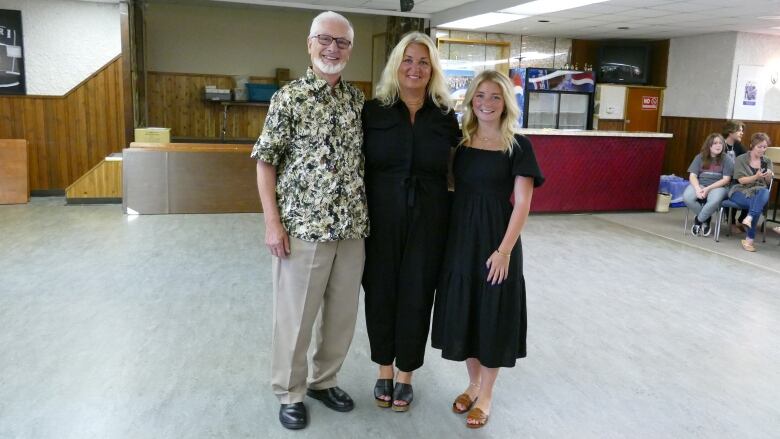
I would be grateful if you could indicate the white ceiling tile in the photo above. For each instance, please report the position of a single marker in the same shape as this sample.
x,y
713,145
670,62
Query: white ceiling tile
x,y
645,18
645,12
431,6
603,8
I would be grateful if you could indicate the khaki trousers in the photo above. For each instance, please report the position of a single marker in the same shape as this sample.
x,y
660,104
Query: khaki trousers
x,y
315,287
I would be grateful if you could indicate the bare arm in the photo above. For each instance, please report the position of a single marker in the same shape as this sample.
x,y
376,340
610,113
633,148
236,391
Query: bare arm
x,y
694,179
276,238
498,262
755,177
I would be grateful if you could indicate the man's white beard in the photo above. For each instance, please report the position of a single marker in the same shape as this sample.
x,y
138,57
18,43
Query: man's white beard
x,y
329,69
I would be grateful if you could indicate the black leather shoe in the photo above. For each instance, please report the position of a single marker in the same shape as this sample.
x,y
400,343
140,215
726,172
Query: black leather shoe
x,y
333,398
293,416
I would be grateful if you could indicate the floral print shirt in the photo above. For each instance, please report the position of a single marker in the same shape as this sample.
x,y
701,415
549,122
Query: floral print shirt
x,y
313,135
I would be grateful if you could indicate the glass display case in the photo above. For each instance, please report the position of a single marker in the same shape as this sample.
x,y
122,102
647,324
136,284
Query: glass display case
x,y
549,98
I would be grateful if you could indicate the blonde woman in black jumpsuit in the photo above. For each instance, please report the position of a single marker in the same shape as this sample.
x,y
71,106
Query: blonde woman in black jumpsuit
x,y
409,132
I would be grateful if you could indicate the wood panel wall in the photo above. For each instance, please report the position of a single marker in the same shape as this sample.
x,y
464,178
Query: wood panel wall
x,y
175,101
689,134
68,135
611,125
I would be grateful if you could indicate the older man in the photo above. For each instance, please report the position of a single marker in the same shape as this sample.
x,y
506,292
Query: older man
x,y
310,179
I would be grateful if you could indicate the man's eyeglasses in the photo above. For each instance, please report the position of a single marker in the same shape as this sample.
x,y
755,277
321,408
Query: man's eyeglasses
x,y
326,40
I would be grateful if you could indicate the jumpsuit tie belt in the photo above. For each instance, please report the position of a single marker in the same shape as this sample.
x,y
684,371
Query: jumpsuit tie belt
x,y
410,183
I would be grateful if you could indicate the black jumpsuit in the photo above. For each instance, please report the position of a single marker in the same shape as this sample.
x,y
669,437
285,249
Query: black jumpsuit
x,y
406,186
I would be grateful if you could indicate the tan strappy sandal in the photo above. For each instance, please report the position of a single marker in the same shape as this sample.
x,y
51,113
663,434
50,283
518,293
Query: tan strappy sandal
x,y
476,414
465,401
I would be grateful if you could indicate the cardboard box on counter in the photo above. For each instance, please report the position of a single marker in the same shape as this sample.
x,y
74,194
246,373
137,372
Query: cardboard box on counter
x,y
153,135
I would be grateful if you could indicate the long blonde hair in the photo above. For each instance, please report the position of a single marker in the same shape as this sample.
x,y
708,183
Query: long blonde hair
x,y
388,89
509,123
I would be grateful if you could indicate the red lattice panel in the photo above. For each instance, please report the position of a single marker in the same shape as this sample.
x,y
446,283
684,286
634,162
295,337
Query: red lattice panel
x,y
593,174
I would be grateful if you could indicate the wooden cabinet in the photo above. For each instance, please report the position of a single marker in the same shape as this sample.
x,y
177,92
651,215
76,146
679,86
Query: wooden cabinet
x,y
14,180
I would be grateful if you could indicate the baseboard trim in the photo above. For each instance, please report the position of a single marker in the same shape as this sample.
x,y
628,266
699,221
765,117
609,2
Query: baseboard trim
x,y
47,193
93,200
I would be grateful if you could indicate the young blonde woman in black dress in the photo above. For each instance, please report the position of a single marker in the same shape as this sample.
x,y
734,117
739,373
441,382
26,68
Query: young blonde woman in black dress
x,y
480,314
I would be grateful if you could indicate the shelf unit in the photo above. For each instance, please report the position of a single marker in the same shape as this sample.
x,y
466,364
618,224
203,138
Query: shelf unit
x,y
228,104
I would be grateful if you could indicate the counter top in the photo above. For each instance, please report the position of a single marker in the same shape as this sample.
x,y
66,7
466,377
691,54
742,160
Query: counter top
x,y
591,133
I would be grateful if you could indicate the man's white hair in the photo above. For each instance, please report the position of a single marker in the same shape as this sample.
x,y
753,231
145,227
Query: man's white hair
x,y
326,16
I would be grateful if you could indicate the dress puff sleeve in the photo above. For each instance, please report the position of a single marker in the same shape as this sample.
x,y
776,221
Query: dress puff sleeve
x,y
524,161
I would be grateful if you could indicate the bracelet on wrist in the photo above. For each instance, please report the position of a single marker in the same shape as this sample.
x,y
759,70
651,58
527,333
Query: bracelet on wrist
x,y
502,254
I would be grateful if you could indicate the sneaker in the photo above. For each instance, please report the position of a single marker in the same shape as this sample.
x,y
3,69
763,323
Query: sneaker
x,y
705,229
695,229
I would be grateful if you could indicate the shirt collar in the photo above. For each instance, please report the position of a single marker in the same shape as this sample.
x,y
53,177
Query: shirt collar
x,y
320,84
427,103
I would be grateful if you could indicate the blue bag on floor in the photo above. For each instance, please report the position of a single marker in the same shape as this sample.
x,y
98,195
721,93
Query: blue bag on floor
x,y
674,186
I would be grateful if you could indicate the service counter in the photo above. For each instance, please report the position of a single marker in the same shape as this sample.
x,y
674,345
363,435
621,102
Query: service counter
x,y
597,171
586,171
160,178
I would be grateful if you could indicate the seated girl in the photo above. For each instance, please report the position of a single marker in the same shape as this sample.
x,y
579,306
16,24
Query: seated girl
x,y
710,174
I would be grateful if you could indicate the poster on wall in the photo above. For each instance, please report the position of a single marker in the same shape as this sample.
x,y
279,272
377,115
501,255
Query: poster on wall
x,y
517,76
749,94
11,60
458,81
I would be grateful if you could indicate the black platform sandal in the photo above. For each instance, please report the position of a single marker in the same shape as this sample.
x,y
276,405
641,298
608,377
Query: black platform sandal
x,y
402,392
383,387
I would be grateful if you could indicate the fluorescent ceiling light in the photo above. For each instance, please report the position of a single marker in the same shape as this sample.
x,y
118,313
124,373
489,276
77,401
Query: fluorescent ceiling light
x,y
539,7
535,55
483,20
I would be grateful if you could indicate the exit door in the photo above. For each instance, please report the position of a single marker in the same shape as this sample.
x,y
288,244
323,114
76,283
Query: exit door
x,y
643,106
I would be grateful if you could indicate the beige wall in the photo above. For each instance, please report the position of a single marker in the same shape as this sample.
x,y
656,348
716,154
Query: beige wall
x,y
65,41
243,40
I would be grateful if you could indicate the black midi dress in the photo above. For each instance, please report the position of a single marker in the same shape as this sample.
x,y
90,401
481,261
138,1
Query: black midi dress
x,y
472,318
408,206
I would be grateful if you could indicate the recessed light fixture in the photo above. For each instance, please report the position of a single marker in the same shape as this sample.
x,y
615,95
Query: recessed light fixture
x,y
544,21
483,20
538,7
623,27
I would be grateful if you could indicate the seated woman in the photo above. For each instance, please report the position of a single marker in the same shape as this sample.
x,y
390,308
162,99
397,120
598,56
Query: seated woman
x,y
753,173
710,174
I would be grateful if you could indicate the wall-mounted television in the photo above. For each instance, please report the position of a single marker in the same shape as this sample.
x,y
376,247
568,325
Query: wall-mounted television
x,y
623,63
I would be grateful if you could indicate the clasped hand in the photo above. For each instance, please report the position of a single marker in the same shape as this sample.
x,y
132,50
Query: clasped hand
x,y
763,173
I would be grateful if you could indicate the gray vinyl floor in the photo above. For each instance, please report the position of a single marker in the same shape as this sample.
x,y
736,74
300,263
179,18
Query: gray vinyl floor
x,y
115,326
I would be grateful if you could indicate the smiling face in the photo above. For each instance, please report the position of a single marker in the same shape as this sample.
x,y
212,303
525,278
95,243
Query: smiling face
x,y
488,102
716,147
329,60
414,72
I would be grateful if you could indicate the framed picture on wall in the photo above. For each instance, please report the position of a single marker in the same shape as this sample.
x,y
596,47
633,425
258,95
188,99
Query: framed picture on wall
x,y
11,59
